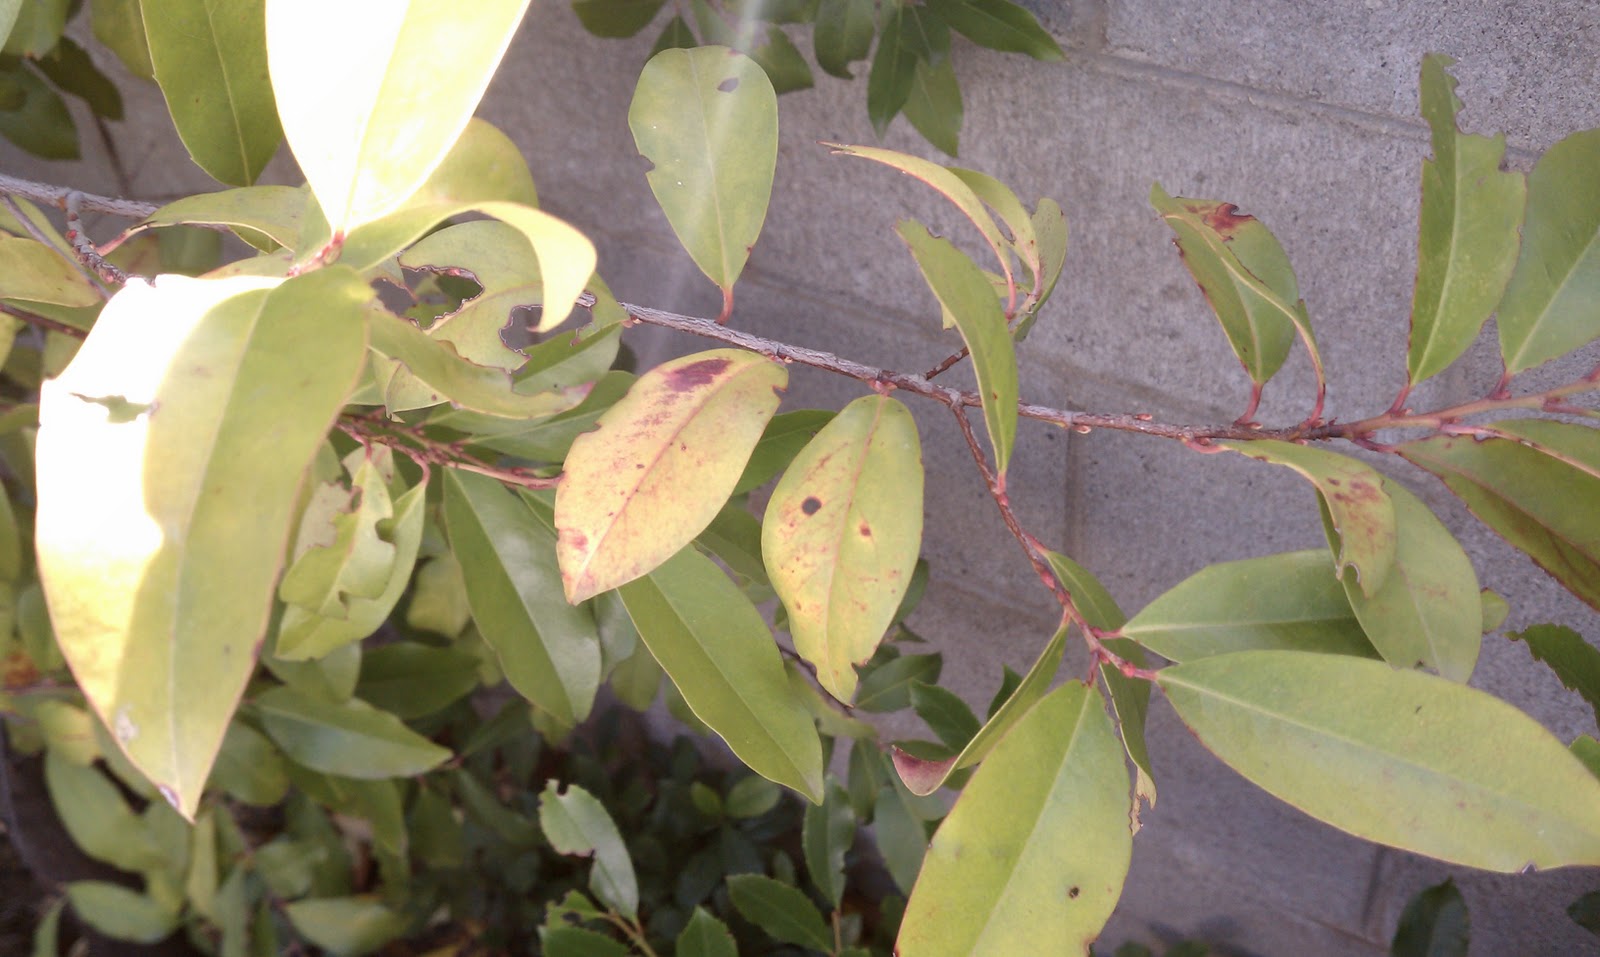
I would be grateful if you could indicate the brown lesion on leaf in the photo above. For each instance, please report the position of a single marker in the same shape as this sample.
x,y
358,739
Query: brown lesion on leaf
x,y
811,505
695,374
17,670
1224,219
865,530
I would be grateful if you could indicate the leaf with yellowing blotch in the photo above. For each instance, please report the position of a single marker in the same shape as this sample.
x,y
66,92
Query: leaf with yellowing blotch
x,y
842,533
660,465
170,456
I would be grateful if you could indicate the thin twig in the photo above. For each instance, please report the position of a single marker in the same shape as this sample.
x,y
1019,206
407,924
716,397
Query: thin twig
x,y
424,451
81,244
42,322
57,196
44,240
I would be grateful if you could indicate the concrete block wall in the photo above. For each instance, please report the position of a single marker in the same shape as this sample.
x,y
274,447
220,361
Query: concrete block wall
x,y
1304,115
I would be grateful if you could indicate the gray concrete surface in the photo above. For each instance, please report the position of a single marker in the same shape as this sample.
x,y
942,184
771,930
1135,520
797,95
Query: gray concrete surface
x,y
1303,114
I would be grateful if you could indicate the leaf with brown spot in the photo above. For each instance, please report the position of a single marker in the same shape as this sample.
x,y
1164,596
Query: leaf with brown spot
x,y
841,536
1359,509
1533,488
660,465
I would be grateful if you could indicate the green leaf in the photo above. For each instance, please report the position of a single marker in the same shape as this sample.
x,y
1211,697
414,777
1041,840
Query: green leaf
x,y
661,464
716,648
303,635
1290,601
842,34
370,140
705,936
785,67
998,25
266,217
676,35
1130,697
349,738
1531,488
481,804
46,934
923,777
119,24
784,912
121,913
345,926
1427,614
72,71
781,441
211,63
841,536
708,120
934,105
339,554
900,834
1574,661
953,184
1049,808
1495,610
887,687
910,34
249,768
1434,924
968,298
170,456
1352,492
33,271
41,125
752,796
946,714
616,18
580,942
827,832
550,650
37,28
409,679
94,813
575,822
1467,236
1246,277
1402,758
1548,307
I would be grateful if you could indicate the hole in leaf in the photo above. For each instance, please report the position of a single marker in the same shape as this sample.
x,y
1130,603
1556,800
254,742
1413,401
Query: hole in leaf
x,y
729,85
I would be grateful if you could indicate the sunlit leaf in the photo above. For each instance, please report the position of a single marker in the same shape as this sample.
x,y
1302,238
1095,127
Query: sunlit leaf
x,y
1402,758
37,28
211,62
264,216
350,739
1049,808
549,649
1467,240
1246,277
575,822
1290,601
166,499
1352,493
1548,308
365,124
1531,490
841,535
1427,613
717,650
969,300
1574,661
708,120
660,465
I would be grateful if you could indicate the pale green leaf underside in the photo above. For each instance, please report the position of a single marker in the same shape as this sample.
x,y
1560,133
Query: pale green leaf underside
x,y
1398,757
